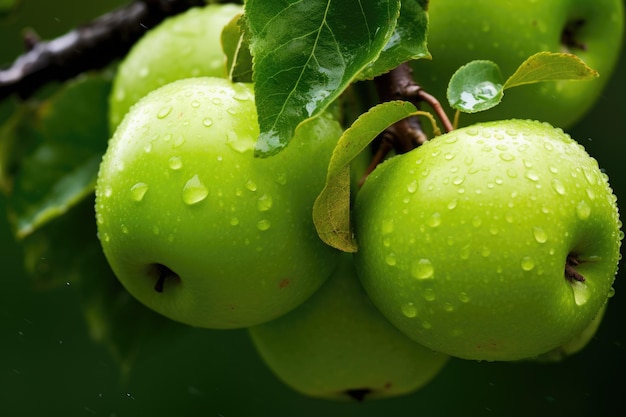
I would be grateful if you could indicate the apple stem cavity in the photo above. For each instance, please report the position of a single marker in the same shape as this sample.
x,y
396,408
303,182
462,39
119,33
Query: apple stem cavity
x,y
569,35
162,274
570,269
407,134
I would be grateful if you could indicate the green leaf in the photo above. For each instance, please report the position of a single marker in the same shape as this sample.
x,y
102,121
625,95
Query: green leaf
x,y
237,50
306,53
550,66
70,131
407,43
331,211
53,253
476,86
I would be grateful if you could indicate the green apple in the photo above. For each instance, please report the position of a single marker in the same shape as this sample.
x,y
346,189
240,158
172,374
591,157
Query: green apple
x,y
195,226
338,346
509,32
576,344
498,241
182,46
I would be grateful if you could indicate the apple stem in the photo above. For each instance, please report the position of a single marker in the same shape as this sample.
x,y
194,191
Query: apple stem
x,y
570,269
163,273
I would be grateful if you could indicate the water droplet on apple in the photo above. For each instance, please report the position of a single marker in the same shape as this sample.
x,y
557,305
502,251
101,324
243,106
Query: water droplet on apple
x,y
507,157
194,191
540,235
138,191
426,325
390,259
207,122
463,297
124,229
512,173
175,163
458,180
611,293
452,204
558,186
264,203
429,294
423,269
448,307
472,131
527,263
409,310
583,210
164,112
434,220
485,251
532,175
251,185
108,191
263,225
412,187
581,292
234,221
195,104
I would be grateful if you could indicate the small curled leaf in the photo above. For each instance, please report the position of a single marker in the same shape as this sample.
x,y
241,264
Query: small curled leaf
x,y
476,86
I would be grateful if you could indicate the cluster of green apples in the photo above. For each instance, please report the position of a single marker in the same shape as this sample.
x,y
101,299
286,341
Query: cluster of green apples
x,y
496,241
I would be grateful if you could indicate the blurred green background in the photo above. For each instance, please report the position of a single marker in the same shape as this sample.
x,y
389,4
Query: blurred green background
x,y
50,366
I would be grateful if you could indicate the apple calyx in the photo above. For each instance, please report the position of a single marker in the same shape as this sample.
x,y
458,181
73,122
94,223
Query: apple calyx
x,y
162,273
569,35
358,394
570,269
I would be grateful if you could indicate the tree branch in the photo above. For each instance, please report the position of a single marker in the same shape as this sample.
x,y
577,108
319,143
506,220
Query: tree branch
x,y
91,46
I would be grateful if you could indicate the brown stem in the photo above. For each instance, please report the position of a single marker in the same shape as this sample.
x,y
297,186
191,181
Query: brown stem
x,y
92,46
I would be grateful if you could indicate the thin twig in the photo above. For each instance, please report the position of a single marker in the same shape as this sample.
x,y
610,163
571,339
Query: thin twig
x,y
91,46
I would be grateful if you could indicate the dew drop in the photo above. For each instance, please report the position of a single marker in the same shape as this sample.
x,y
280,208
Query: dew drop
x,y
194,191
434,220
281,179
458,180
390,259
195,104
423,269
426,324
532,175
429,294
264,203
251,185
263,225
540,235
164,112
558,186
409,310
175,163
124,229
583,210
527,263
463,297
234,221
581,292
138,191
507,157
207,122
412,187
452,204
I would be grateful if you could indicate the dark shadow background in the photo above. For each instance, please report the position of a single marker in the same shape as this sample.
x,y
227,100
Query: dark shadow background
x,y
49,365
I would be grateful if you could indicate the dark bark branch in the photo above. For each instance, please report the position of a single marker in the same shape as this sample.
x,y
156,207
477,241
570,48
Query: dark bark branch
x,y
92,46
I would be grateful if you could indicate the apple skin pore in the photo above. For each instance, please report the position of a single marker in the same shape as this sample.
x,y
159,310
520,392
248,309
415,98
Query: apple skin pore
x,y
180,193
507,33
463,241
